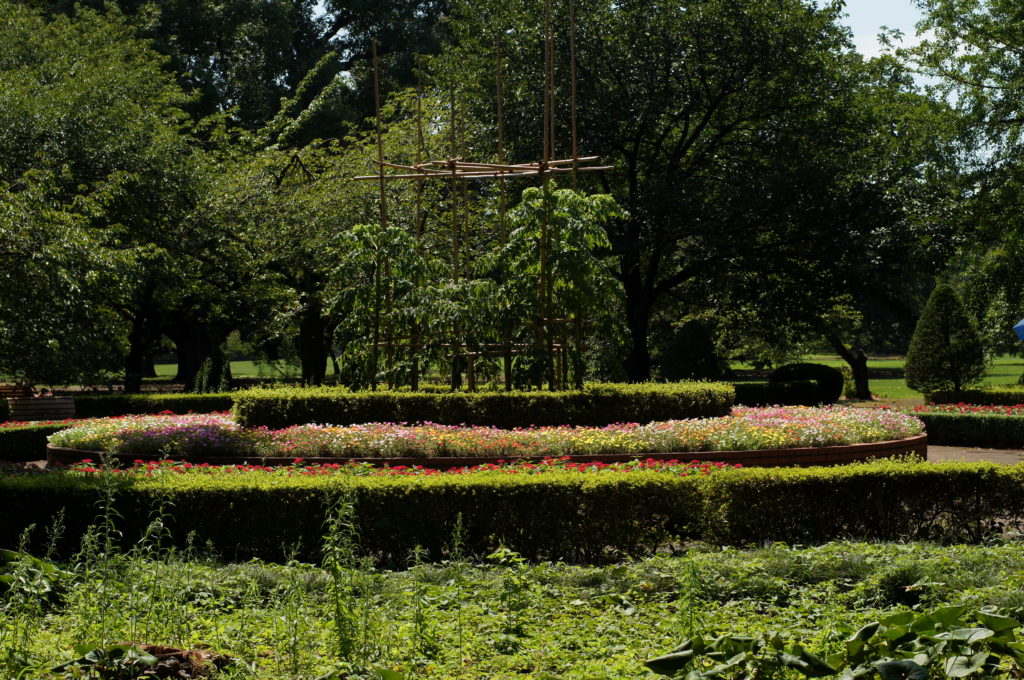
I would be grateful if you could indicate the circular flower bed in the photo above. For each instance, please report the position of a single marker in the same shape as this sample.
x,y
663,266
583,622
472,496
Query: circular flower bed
x,y
746,429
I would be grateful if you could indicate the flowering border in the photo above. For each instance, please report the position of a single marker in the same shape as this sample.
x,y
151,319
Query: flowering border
x,y
806,456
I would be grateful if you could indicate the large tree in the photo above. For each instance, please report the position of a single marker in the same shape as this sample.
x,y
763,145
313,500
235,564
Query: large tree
x,y
973,53
94,180
747,151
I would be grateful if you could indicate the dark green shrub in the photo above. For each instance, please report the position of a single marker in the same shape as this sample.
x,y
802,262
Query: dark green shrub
x,y
1002,395
974,429
796,393
945,352
828,384
5,409
579,518
105,405
597,405
26,442
691,355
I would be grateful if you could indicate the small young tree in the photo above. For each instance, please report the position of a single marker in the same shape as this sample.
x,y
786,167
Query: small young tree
x,y
946,351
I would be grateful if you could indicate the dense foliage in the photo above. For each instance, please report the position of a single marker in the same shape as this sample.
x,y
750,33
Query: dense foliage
x,y
500,617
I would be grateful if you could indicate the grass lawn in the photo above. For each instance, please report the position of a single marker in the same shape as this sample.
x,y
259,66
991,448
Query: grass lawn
x,y
246,369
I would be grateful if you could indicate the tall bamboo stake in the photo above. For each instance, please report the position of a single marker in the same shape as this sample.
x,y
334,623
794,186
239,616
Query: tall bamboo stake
x,y
375,352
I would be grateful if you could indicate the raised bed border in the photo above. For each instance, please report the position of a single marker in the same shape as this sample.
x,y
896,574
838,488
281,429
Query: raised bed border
x,y
801,457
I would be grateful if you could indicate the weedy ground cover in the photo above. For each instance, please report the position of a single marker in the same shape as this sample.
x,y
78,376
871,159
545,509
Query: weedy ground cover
x,y
499,618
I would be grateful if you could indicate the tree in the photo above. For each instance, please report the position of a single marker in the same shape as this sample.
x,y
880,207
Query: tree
x,y
741,139
96,177
945,352
972,51
242,57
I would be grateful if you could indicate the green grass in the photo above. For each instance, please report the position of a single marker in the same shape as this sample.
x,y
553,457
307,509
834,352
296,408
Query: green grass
x,y
246,369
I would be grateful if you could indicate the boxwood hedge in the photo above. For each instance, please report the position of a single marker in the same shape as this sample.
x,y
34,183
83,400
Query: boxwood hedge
x,y
567,516
974,429
104,405
597,405
1001,395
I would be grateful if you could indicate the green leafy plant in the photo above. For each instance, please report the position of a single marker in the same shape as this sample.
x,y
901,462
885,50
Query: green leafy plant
x,y
902,646
114,662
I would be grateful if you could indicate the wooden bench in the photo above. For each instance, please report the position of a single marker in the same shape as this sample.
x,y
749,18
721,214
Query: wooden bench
x,y
15,391
41,408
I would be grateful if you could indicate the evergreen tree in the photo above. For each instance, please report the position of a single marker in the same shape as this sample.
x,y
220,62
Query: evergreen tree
x,y
946,351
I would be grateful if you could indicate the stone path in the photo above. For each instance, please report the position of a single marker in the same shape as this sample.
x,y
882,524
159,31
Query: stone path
x,y
938,454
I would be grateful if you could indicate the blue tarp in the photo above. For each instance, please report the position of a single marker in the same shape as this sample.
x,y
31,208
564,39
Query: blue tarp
x,y
1019,329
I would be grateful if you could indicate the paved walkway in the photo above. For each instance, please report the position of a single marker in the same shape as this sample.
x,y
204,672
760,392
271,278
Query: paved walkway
x,y
938,454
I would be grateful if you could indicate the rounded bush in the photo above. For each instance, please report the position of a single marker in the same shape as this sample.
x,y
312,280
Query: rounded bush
x,y
828,383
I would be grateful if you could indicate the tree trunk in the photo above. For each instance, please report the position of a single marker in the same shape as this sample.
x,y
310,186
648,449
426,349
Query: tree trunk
x,y
194,343
638,320
857,359
313,350
135,361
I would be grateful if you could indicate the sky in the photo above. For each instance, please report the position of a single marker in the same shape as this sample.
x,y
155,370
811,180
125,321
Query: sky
x,y
866,17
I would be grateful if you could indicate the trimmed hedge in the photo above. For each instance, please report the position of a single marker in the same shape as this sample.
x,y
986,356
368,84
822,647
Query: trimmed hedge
x,y
974,429
1003,395
26,442
828,382
105,405
597,405
796,393
573,517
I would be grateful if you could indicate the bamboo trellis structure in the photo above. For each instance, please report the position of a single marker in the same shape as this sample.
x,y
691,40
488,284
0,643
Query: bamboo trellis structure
x,y
459,171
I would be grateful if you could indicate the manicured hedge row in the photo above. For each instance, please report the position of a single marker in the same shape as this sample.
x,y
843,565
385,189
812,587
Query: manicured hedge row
x,y
26,443
1003,395
104,405
796,393
597,405
974,429
578,518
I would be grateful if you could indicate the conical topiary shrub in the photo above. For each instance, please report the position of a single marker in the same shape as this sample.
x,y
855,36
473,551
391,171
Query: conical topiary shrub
x,y
946,351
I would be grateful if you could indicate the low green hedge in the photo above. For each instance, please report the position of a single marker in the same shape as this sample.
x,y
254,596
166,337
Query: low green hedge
x,y
974,429
105,405
26,442
795,393
1002,395
597,405
570,516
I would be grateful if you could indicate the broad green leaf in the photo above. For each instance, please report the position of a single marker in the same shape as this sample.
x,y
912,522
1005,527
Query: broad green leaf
x,y
670,664
903,669
962,666
997,622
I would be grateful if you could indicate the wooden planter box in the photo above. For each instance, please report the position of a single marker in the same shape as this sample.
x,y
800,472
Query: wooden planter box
x,y
827,455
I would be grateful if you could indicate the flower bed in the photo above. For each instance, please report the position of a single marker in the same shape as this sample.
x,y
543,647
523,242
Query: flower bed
x,y
299,467
747,429
990,409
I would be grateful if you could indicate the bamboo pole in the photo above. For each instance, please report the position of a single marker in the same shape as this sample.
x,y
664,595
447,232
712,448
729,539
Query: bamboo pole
x,y
375,352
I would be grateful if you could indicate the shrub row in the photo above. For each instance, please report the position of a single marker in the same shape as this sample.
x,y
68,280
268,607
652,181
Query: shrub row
x,y
27,442
974,429
597,405
794,393
1002,395
570,516
105,405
